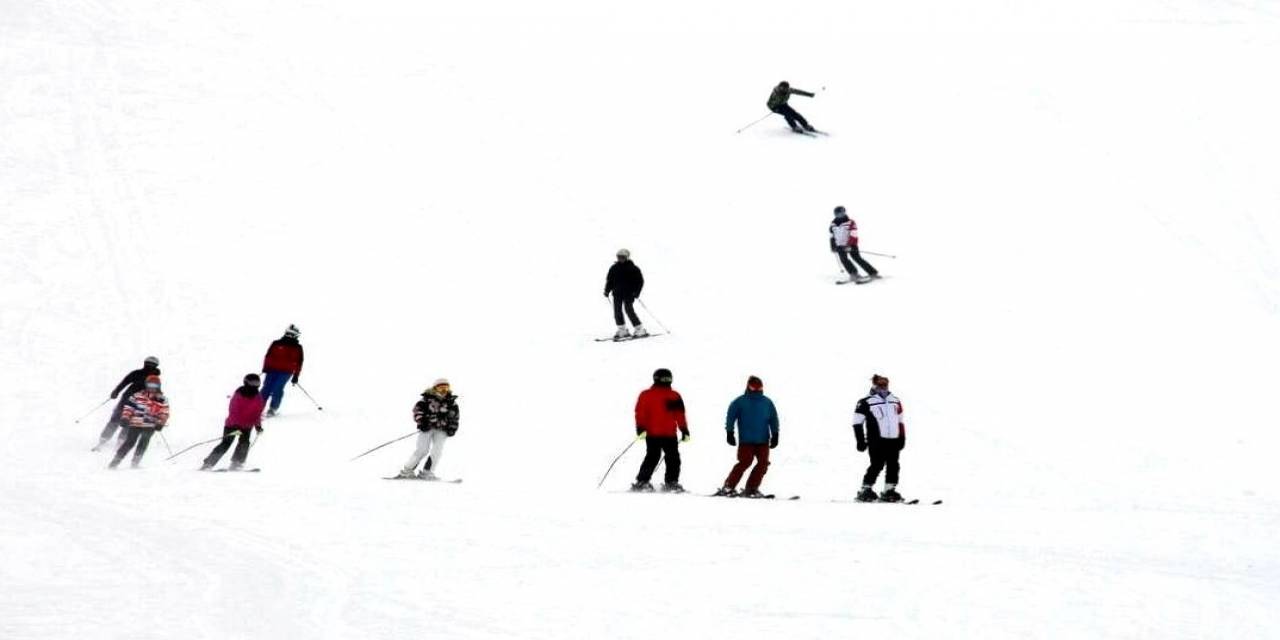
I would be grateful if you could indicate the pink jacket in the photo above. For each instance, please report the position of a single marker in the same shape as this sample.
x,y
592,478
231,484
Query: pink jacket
x,y
245,412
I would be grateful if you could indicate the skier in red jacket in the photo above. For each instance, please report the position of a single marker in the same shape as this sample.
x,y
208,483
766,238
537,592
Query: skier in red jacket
x,y
659,414
283,363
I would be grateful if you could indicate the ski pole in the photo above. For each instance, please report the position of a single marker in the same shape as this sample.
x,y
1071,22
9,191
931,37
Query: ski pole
x,y
655,318
313,400
882,255
92,411
754,123
166,444
414,432
615,461
198,444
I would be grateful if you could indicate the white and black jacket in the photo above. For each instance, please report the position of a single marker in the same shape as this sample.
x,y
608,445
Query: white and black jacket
x,y
883,420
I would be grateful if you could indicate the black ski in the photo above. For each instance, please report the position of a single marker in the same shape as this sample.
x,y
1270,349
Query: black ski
x,y
448,481
253,470
630,338
767,496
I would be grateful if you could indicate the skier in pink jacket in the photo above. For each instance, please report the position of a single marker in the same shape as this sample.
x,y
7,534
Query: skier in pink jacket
x,y
244,414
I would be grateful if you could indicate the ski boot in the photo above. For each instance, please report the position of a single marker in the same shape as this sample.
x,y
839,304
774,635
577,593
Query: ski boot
x,y
672,487
640,332
406,474
208,466
426,475
867,495
726,492
621,334
101,443
890,495
751,493
114,464
271,413
642,487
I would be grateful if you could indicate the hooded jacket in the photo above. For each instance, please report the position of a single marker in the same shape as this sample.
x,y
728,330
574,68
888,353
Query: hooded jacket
x,y
624,280
284,355
780,95
145,409
436,411
882,418
246,408
756,417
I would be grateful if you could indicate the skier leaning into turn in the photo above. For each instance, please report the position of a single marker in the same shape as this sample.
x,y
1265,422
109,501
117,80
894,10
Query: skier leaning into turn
x,y
844,242
778,100
133,382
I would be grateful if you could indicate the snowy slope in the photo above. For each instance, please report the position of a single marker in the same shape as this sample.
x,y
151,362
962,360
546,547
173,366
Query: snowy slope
x,y
1081,320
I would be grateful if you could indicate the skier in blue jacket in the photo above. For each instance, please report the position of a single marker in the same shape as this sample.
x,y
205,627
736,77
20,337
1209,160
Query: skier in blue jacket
x,y
757,422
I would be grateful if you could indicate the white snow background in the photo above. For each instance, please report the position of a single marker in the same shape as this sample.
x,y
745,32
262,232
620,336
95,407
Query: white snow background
x,y
1082,320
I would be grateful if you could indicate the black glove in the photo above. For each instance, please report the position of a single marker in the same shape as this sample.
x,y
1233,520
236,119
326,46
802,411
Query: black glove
x,y
862,445
902,443
295,379
639,431
115,394
159,429
728,437
773,442
258,428
606,294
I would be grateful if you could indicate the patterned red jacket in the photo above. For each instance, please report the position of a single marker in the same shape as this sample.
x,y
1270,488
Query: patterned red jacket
x,y
145,410
660,412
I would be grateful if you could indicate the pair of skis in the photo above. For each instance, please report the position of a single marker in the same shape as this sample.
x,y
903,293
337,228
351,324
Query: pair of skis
x,y
631,338
445,481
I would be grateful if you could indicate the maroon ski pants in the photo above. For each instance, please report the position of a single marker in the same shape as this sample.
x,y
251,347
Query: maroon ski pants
x,y
746,453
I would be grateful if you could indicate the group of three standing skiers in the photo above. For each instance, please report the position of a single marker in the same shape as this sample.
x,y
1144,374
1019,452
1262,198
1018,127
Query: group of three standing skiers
x,y
661,422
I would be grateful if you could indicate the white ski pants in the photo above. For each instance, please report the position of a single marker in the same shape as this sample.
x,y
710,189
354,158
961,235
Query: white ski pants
x,y
430,443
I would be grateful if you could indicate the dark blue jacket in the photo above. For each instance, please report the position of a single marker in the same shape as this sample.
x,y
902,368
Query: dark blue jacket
x,y
756,416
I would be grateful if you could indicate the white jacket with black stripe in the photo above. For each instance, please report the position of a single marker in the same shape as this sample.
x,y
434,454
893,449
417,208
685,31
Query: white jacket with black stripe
x,y
882,420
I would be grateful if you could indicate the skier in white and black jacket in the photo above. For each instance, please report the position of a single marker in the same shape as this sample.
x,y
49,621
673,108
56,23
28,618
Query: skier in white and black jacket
x,y
885,435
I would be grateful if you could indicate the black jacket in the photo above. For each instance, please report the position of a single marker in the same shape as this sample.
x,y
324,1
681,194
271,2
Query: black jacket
x,y
624,280
136,381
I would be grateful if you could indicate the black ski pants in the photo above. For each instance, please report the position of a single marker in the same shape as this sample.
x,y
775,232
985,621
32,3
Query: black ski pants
x,y
848,256
656,447
133,435
113,422
884,455
242,448
620,304
794,119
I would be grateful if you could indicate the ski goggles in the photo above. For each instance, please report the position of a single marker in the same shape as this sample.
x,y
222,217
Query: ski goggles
x,y
441,387
153,385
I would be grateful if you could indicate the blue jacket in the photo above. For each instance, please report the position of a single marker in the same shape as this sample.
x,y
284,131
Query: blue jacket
x,y
756,416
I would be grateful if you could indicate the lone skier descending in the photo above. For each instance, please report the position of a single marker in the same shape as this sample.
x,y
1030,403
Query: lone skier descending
x,y
143,413
437,417
886,436
282,364
133,382
757,421
659,414
625,282
243,416
778,103
844,242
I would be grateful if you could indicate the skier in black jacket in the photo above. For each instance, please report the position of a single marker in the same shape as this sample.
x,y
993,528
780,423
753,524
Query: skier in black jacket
x,y
778,103
625,283
132,383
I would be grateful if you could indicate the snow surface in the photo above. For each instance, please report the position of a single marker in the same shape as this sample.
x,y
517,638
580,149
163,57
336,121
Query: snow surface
x,y
1081,320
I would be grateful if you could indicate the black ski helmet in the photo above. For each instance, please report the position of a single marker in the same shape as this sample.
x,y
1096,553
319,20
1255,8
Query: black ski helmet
x,y
662,376
839,210
784,84
252,380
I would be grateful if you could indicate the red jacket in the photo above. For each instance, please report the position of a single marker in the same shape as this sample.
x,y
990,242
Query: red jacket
x,y
660,412
245,411
284,355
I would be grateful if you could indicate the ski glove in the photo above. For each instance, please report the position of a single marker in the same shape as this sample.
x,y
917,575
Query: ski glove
x,y
115,394
862,445
733,442
773,442
295,379
258,428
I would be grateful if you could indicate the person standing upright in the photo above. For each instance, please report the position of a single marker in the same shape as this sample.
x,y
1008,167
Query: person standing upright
x,y
282,365
437,417
659,415
778,103
880,412
844,241
145,412
625,282
133,382
757,422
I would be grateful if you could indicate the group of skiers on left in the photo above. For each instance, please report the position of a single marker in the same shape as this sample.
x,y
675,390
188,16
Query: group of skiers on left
x,y
662,424
143,408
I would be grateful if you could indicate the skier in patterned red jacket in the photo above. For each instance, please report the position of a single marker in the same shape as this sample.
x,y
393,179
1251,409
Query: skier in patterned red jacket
x,y
659,415
144,413
283,363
